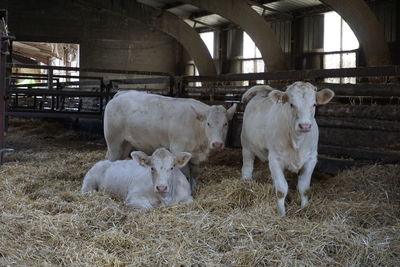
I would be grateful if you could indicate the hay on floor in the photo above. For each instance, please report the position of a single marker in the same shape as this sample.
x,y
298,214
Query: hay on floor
x,y
352,219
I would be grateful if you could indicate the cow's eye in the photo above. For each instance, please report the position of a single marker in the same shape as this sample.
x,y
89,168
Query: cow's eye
x,y
226,124
152,169
208,124
314,105
291,105
172,168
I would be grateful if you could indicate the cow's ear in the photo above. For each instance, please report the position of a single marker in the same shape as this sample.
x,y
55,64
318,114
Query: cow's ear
x,y
182,159
141,158
199,115
231,111
324,96
278,96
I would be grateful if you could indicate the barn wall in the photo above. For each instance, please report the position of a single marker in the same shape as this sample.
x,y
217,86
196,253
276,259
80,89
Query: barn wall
x,y
154,52
388,14
107,40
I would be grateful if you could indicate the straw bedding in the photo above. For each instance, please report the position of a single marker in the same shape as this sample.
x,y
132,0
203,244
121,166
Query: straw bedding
x,y
352,219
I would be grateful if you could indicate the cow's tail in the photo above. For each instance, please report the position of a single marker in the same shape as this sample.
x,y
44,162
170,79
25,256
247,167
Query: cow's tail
x,y
262,90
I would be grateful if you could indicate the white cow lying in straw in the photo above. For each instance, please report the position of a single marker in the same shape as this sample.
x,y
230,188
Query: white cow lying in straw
x,y
141,121
144,182
280,126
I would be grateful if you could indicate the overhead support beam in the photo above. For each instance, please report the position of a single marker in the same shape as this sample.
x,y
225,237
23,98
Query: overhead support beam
x,y
172,5
205,25
366,27
165,22
240,13
200,14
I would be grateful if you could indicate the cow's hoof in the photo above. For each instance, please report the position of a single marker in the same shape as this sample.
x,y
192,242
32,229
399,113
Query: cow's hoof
x,y
193,184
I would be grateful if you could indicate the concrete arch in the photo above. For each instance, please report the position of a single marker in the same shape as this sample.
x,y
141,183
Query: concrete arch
x,y
190,40
169,24
366,27
240,13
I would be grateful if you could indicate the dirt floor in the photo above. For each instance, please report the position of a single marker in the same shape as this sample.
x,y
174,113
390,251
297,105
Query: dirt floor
x,y
353,218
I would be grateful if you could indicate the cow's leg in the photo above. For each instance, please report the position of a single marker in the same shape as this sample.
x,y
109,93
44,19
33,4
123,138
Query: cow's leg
x,y
189,199
248,163
115,149
194,171
186,171
89,182
280,183
139,201
127,149
303,184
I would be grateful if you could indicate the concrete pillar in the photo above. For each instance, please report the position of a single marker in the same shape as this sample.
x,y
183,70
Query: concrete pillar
x,y
240,13
235,50
366,27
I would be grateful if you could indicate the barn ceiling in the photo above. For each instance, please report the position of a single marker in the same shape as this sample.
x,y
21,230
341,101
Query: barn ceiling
x,y
198,18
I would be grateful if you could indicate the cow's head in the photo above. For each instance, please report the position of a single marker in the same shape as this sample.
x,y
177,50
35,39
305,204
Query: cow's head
x,y
164,168
300,99
216,125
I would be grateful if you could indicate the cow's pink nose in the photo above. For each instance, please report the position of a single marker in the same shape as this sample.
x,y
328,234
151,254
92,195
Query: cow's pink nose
x,y
305,126
161,188
217,145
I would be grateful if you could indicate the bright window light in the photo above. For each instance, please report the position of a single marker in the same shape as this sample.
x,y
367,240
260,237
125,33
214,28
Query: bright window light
x,y
337,34
349,40
249,47
339,37
208,39
252,61
332,32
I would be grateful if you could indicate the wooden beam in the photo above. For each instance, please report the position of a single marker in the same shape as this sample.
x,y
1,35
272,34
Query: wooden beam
x,y
358,124
387,156
384,112
296,75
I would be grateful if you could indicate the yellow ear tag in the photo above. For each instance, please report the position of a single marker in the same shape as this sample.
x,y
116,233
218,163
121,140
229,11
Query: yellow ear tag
x,y
181,161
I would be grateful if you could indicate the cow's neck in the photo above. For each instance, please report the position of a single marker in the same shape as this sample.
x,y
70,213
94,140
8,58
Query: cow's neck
x,y
203,144
295,139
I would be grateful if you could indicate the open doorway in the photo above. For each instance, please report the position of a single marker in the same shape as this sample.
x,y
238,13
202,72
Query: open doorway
x,y
51,54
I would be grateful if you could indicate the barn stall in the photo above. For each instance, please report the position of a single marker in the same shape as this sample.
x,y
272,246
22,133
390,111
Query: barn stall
x,y
352,218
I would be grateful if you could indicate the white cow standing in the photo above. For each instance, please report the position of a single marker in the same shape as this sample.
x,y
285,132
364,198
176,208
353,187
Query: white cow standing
x,y
142,121
280,127
144,182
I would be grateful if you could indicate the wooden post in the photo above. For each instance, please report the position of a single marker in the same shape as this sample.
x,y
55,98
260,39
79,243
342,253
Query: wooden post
x,y
50,85
3,51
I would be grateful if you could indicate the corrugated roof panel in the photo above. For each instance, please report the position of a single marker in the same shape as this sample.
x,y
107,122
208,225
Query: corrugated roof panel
x,y
213,19
289,5
184,10
259,10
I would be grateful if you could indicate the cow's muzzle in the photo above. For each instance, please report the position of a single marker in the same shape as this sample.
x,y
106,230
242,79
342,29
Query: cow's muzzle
x,y
217,145
305,127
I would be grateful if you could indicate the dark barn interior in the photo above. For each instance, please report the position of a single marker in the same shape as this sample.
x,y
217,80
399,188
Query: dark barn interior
x,y
62,61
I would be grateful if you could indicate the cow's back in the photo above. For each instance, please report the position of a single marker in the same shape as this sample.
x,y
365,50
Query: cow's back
x,y
148,121
124,176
